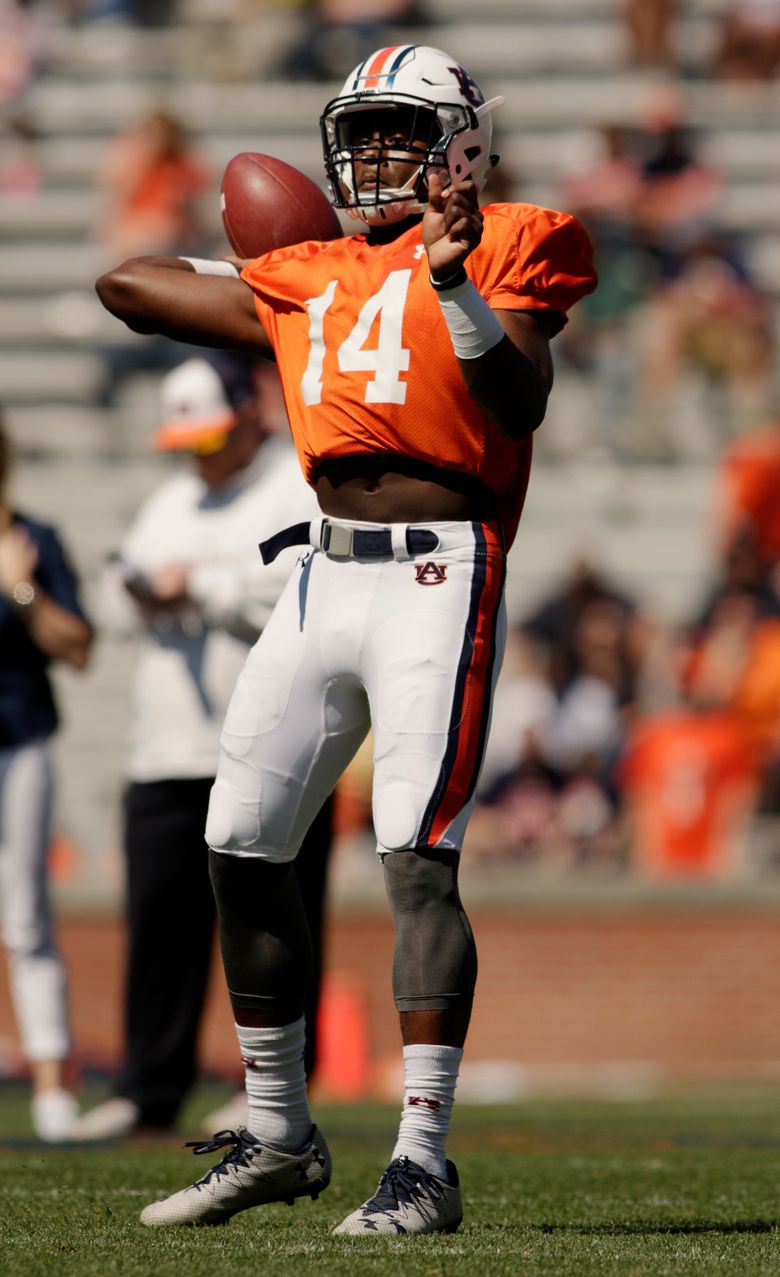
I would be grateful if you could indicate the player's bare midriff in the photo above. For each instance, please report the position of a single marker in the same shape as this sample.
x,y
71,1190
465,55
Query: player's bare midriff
x,y
394,489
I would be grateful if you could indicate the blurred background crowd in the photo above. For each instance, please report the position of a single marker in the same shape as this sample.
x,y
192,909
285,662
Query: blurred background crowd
x,y
637,725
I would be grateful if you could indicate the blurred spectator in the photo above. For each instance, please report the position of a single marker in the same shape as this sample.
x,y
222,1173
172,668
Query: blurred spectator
x,y
21,177
561,627
340,33
599,339
566,700
190,585
605,193
677,338
41,621
733,665
743,576
749,502
153,182
694,777
729,658
710,320
678,195
26,28
689,782
141,13
749,45
649,27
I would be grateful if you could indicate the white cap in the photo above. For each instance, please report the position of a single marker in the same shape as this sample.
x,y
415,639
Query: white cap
x,y
195,405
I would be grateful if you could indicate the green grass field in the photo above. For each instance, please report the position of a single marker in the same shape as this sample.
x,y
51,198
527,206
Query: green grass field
x,y
680,1185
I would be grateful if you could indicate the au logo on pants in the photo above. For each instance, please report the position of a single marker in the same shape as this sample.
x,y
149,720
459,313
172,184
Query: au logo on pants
x,y
430,573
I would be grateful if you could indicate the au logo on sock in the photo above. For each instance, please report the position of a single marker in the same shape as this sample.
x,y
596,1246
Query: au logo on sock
x,y
430,573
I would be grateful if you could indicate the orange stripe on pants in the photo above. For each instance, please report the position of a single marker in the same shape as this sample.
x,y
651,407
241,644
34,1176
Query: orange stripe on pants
x,y
477,687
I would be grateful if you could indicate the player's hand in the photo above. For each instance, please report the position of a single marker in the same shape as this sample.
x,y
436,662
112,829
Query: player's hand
x,y
451,225
160,590
169,583
18,558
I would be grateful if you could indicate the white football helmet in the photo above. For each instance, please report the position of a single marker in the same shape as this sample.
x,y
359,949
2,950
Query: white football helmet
x,y
439,113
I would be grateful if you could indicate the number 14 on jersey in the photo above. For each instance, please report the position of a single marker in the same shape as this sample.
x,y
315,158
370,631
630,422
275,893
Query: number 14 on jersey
x,y
387,360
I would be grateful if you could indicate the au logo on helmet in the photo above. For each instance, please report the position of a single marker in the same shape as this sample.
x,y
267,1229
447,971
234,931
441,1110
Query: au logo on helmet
x,y
430,573
468,86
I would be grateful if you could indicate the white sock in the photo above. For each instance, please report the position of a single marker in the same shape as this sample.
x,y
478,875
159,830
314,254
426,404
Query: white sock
x,y
276,1084
430,1077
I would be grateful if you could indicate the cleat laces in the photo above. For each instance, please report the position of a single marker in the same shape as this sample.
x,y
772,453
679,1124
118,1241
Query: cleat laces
x,y
239,1145
402,1186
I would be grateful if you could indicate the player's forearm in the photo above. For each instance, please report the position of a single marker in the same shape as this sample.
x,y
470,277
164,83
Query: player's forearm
x,y
166,295
508,388
58,633
503,357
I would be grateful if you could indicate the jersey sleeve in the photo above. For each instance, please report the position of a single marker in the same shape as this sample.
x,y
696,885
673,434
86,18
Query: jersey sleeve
x,y
56,574
539,259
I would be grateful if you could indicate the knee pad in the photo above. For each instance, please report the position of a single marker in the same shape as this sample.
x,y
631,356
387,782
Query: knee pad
x,y
434,956
232,823
264,935
397,814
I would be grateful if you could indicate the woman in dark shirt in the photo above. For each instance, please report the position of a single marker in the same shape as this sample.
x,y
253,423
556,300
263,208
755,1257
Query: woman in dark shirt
x,y
40,620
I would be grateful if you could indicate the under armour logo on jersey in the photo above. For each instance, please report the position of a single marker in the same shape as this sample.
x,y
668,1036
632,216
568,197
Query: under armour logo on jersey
x,y
430,573
416,1100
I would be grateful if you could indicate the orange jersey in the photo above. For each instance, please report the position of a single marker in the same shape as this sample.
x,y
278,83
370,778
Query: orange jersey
x,y
365,357
750,475
691,779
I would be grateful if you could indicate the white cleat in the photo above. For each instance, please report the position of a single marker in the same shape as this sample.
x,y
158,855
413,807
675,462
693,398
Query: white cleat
x,y
408,1200
250,1174
54,1115
111,1120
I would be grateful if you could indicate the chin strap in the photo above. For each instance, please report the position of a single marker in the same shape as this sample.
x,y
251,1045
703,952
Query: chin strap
x,y
382,214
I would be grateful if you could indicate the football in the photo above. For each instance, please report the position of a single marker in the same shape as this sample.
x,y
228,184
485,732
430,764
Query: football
x,y
268,204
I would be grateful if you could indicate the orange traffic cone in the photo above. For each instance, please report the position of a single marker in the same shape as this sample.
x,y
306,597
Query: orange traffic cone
x,y
343,1055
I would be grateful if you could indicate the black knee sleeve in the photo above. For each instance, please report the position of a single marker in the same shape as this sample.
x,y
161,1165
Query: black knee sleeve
x,y
264,936
434,958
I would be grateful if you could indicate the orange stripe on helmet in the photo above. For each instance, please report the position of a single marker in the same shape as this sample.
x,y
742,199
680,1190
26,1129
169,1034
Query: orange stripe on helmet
x,y
374,72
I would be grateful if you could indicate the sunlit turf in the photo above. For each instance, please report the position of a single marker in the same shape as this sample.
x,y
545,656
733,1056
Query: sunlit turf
x,y
682,1184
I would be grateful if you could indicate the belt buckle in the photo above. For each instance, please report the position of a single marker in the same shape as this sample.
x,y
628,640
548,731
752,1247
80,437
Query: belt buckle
x,y
340,541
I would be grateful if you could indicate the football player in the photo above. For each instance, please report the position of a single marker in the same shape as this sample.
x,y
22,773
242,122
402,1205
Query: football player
x,y
415,360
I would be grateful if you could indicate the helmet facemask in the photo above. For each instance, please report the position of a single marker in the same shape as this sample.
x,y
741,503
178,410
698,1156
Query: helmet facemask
x,y
375,132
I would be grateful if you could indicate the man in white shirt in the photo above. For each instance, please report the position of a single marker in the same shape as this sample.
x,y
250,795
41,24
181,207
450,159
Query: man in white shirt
x,y
190,583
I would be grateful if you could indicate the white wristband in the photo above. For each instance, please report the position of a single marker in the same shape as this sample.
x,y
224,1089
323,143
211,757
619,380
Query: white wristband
x,y
472,325
202,266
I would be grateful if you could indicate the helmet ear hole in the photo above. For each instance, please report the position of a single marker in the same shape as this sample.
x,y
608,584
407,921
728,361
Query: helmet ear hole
x,y
472,152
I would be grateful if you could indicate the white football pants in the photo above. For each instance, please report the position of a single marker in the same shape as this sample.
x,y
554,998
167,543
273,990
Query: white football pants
x,y
410,646
37,975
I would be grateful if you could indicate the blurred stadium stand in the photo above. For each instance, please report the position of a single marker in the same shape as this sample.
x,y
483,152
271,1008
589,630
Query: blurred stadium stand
x,y
561,66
